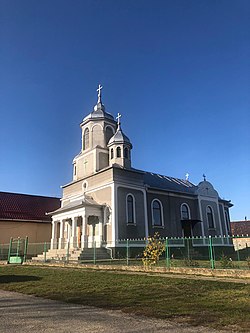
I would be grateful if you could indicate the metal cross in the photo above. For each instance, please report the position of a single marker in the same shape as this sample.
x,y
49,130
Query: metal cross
x,y
118,118
204,176
99,92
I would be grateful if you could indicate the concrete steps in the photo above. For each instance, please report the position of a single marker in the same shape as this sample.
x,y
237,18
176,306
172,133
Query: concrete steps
x,y
74,255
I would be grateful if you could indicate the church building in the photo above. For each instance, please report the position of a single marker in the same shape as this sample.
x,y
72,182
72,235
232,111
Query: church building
x,y
108,200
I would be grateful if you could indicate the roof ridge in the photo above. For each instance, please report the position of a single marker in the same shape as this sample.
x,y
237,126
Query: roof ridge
x,y
29,195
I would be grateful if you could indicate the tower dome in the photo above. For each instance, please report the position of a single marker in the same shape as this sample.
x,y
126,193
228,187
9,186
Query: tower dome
x,y
99,109
119,148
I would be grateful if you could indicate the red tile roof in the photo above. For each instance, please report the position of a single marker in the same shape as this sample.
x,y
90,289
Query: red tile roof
x,y
240,227
15,206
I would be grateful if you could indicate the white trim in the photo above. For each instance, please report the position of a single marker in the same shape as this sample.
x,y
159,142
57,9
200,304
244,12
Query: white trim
x,y
134,210
219,219
202,219
145,212
214,227
189,213
152,215
113,212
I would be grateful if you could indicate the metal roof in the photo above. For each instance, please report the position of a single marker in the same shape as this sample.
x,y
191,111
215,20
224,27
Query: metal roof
x,y
167,183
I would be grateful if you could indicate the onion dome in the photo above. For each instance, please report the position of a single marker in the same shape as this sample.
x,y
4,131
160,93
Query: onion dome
x,y
99,109
119,138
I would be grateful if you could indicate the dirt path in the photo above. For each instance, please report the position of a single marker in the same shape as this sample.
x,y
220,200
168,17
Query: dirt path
x,y
28,314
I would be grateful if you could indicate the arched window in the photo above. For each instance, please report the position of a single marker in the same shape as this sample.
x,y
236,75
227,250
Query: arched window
x,y
210,218
118,152
126,152
130,209
86,139
112,153
108,134
156,209
185,215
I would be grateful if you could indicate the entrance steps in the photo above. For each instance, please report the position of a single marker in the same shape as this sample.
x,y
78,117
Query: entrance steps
x,y
73,254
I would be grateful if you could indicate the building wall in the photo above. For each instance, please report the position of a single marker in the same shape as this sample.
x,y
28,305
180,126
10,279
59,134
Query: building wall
x,y
171,206
217,231
128,230
38,232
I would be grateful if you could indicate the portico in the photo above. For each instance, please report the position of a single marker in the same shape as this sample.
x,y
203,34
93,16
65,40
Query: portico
x,y
77,225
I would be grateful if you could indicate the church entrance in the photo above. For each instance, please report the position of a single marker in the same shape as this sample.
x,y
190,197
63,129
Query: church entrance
x,y
187,229
93,231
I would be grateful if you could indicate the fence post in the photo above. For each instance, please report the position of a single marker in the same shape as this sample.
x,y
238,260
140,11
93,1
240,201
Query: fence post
x,y
188,250
167,253
238,257
10,248
45,250
94,252
127,252
211,252
18,246
25,249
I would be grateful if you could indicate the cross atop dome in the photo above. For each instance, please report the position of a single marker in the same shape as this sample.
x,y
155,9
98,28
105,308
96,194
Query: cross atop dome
x,y
99,93
118,119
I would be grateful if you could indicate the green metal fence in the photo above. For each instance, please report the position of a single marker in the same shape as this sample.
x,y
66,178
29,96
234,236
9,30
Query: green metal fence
x,y
203,252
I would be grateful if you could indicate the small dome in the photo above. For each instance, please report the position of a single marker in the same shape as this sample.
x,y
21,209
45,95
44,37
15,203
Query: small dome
x,y
99,112
119,137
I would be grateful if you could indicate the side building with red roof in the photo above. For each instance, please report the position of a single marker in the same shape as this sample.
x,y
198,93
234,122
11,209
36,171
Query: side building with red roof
x,y
241,231
24,215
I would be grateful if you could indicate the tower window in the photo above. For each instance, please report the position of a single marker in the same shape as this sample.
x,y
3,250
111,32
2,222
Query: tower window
x,y
156,209
112,153
130,209
74,169
108,134
118,152
185,212
126,152
86,139
210,218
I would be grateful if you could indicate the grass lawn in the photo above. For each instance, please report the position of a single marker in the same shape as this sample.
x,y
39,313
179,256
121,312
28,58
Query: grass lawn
x,y
197,302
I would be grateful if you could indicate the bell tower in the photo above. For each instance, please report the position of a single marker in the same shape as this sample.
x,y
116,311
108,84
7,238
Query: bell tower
x,y
97,129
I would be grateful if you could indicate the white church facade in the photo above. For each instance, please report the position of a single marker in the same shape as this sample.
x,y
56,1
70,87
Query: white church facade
x,y
108,200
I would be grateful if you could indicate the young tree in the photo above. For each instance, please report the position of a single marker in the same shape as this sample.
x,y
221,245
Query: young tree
x,y
153,250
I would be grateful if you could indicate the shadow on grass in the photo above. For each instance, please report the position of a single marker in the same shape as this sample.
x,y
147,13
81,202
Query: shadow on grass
x,y
18,278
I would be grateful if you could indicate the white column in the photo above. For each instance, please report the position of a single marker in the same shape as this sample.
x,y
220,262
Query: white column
x,y
73,238
61,237
54,235
84,238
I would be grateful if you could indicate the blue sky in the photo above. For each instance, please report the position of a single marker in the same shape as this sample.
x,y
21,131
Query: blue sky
x,y
177,71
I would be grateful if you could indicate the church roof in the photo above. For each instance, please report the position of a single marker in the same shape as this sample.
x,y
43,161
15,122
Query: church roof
x,y
172,184
84,201
99,112
119,137
167,183
15,206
